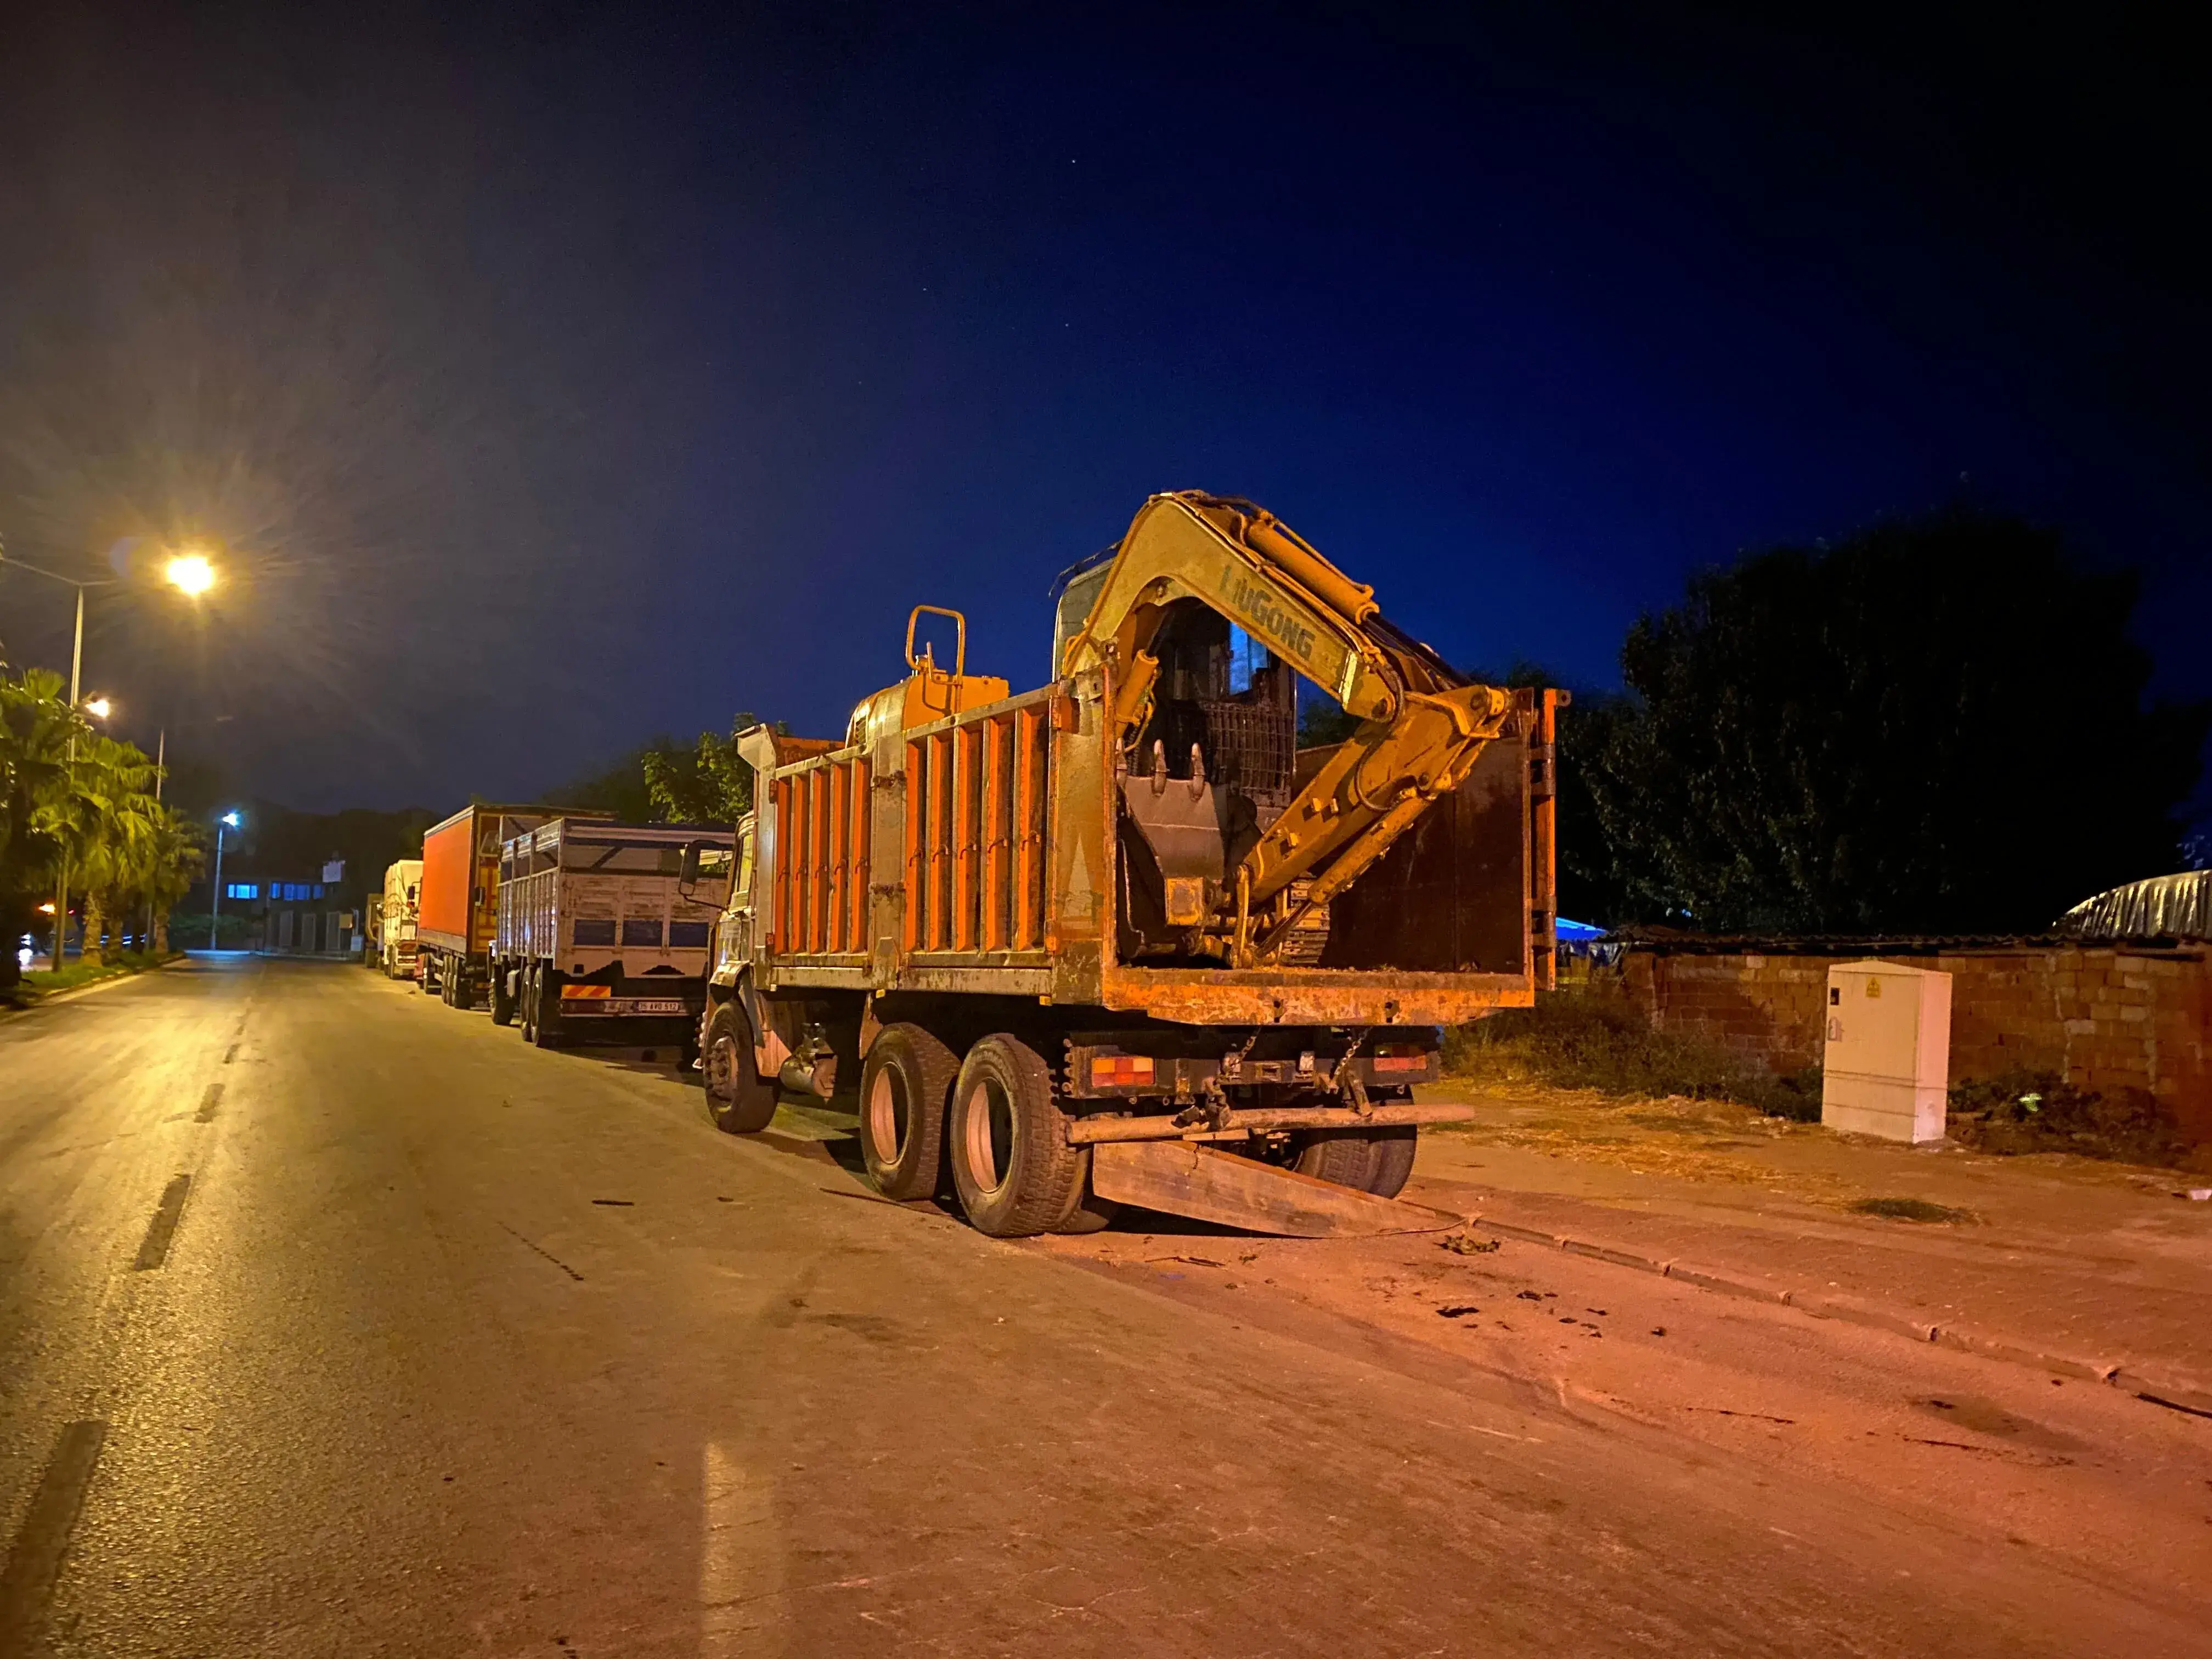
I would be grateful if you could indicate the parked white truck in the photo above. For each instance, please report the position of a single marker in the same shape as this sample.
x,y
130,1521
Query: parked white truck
x,y
392,939
599,934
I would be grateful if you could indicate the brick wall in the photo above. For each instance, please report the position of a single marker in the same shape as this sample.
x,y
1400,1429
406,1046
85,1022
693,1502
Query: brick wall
x,y
2111,1018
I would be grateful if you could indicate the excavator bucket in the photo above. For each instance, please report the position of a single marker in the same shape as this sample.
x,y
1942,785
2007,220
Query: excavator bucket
x,y
1187,1178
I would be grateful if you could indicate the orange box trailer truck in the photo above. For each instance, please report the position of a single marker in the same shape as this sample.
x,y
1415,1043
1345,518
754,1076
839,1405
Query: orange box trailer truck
x,y
457,910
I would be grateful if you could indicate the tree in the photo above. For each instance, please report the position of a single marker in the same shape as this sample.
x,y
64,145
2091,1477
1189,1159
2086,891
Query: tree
x,y
105,815
1941,725
178,857
36,724
96,809
710,785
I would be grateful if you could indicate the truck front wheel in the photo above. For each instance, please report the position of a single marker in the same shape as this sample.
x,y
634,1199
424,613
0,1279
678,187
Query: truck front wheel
x,y
1011,1165
904,1085
739,1098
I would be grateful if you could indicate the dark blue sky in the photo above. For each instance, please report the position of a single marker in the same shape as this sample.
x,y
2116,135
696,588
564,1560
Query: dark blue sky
x,y
572,374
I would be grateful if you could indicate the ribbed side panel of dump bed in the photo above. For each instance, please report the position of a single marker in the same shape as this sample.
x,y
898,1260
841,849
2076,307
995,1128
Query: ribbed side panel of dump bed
x,y
976,793
822,876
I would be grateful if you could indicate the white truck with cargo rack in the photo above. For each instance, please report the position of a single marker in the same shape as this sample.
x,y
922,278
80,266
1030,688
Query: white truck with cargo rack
x,y
601,932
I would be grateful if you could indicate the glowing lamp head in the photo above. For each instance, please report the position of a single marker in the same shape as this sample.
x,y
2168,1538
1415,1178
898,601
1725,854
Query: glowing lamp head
x,y
192,572
99,708
232,819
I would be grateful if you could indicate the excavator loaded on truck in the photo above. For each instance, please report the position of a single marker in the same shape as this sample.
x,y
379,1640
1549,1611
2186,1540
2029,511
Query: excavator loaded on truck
x,y
1118,939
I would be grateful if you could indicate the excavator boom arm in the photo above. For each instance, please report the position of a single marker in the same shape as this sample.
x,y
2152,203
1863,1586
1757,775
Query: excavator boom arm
x,y
1421,725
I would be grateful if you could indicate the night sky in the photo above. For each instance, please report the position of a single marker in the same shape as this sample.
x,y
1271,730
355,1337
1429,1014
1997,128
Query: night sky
x,y
568,374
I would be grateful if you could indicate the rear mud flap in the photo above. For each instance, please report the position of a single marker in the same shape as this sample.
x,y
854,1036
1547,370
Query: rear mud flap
x,y
1187,1178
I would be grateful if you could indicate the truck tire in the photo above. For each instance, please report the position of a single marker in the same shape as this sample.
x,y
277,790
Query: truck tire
x,y
526,1004
739,1098
1344,1157
1393,1158
1011,1165
545,1009
906,1083
503,999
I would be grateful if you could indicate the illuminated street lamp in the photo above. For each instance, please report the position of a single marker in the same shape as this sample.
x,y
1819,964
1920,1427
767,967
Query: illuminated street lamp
x,y
191,573
230,820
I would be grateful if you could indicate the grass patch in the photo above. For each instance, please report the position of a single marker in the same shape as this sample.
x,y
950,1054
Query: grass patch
x,y
45,981
1589,1037
1908,1209
2033,1111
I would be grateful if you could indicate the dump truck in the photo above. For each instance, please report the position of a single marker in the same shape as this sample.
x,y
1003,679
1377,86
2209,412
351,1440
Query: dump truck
x,y
600,935
392,939
1118,939
457,910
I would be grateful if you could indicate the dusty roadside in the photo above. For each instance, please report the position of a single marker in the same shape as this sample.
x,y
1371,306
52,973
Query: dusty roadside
x,y
27,994
2094,1257
2093,1480
2108,1262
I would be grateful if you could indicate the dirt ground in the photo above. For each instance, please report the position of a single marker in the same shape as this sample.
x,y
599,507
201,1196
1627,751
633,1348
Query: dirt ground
x,y
2093,1480
2104,1483
1712,1142
2082,1251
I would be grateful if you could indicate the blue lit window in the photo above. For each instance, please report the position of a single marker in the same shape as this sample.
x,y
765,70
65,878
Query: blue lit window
x,y
242,889
1247,657
319,890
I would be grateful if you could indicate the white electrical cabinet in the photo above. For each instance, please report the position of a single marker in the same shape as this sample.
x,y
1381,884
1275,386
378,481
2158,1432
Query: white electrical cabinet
x,y
1888,1063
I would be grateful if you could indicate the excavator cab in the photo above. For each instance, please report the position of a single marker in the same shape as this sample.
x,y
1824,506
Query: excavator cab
x,y
1205,773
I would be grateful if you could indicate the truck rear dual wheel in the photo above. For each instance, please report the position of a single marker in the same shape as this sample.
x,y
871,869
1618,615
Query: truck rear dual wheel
x,y
503,999
739,1098
1011,1164
1394,1159
545,1006
906,1085
1376,1161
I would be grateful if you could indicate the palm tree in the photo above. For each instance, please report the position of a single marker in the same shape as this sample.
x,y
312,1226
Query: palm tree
x,y
172,861
109,814
36,724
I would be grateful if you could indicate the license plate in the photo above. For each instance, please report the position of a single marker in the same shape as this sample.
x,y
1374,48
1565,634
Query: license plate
x,y
657,1007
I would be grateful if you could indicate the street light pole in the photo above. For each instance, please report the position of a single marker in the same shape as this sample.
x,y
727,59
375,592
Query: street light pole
x,y
214,897
215,893
76,663
160,760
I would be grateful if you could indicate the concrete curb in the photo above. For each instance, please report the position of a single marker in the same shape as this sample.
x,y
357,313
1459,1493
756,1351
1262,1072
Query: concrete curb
x,y
48,999
2159,1387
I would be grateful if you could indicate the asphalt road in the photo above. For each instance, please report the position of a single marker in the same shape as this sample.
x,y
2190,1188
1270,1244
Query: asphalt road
x,y
333,1320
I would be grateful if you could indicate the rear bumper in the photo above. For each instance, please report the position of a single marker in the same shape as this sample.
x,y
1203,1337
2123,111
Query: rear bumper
x,y
628,1000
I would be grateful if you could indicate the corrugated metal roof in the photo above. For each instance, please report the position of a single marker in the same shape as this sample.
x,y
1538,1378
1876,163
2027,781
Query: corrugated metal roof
x,y
2164,907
